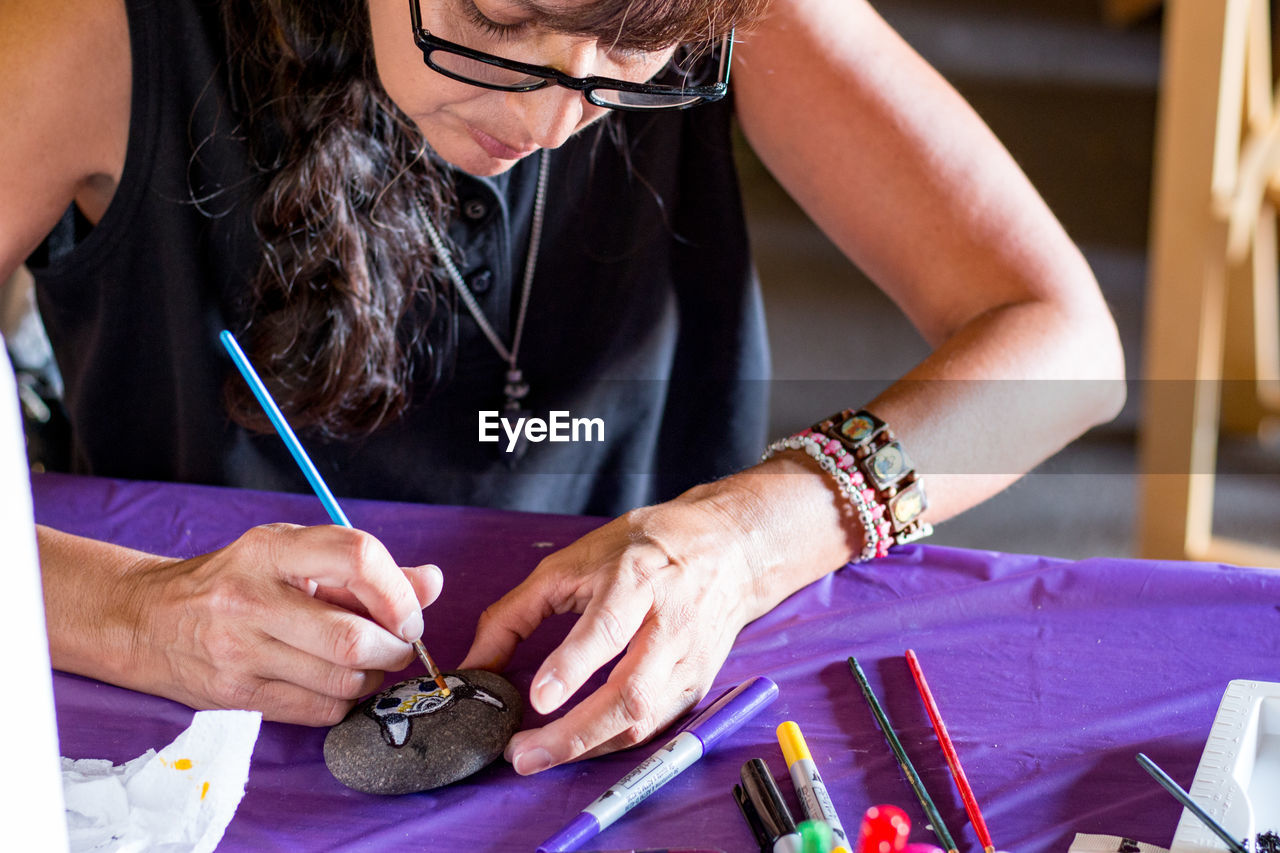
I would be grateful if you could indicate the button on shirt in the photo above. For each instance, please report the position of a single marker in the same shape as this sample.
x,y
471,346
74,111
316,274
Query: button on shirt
x,y
491,239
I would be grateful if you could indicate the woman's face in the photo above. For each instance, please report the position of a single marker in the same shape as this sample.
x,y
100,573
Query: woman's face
x,y
481,131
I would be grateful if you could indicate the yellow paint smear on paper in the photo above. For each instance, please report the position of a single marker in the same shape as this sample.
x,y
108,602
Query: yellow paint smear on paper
x,y
204,790
182,764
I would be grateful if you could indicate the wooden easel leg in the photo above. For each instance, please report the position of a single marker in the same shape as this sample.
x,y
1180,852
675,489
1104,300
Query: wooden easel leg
x,y
1251,358
1186,293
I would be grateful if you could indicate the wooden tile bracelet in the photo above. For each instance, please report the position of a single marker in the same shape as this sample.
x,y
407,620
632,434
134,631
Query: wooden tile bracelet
x,y
873,472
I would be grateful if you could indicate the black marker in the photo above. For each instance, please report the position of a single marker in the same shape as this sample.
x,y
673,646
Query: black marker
x,y
766,812
753,819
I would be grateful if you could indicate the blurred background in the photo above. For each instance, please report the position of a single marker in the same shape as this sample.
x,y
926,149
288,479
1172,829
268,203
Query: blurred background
x,y
1073,88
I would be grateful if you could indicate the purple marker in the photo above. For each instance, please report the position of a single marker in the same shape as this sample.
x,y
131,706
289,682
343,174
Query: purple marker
x,y
721,719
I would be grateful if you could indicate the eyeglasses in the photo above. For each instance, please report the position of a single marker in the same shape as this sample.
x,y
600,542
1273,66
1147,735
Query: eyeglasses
x,y
681,88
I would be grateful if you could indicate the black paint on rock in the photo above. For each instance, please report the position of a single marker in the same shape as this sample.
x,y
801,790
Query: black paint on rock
x,y
411,738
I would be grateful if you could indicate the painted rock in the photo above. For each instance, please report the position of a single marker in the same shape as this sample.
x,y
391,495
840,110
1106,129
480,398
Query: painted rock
x,y
411,737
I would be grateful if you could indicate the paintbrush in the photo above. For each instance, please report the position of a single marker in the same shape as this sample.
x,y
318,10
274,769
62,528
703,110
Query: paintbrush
x,y
1166,782
318,485
953,758
913,778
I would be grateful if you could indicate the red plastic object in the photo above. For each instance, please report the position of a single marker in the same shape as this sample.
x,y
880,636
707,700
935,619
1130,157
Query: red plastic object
x,y
884,830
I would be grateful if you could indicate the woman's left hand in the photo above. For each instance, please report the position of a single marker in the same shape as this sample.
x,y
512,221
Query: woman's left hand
x,y
672,585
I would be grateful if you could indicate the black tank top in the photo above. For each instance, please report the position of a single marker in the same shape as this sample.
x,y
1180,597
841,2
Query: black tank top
x,y
645,311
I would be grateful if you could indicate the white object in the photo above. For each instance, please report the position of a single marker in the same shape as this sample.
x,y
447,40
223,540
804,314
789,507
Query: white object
x,y
1110,844
20,323
677,756
1238,780
179,799
31,796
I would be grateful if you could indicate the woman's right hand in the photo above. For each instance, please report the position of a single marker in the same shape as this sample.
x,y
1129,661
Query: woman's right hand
x,y
296,622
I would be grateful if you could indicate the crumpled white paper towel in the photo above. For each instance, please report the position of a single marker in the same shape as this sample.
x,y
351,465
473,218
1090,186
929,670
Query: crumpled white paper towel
x,y
179,799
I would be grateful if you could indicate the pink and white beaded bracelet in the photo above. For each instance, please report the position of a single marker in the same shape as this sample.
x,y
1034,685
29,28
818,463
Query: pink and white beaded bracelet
x,y
872,470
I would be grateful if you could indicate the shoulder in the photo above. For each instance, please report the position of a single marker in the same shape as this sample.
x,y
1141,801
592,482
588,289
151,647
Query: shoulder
x,y
804,50
65,84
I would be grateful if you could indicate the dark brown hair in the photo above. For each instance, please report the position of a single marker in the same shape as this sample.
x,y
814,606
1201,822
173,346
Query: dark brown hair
x,y
346,303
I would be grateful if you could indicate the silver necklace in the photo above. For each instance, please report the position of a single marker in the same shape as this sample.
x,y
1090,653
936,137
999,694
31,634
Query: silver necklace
x,y
516,388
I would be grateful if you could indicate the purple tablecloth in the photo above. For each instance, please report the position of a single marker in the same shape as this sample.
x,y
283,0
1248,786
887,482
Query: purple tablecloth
x,y
1051,675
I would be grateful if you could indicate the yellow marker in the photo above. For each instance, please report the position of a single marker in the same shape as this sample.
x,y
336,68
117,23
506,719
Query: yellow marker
x,y
809,786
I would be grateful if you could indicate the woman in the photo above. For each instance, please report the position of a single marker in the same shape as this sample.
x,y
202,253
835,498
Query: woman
x,y
296,171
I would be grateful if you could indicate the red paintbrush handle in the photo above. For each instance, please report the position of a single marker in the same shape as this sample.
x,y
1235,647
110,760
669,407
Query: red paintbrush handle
x,y
949,750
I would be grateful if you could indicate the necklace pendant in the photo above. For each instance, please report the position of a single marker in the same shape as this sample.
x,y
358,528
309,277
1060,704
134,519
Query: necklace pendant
x,y
514,410
516,389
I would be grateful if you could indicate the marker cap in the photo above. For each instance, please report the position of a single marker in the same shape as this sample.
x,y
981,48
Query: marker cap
x,y
815,836
727,714
572,837
770,808
763,840
792,742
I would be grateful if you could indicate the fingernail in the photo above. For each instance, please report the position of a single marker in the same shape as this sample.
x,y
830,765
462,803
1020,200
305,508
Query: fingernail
x,y
533,761
550,692
412,628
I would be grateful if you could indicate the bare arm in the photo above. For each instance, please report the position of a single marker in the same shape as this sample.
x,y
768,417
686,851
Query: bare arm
x,y
903,176
907,181
297,622
65,79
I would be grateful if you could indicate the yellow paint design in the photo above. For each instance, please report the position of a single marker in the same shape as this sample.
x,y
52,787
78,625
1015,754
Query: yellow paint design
x,y
204,790
182,764
410,703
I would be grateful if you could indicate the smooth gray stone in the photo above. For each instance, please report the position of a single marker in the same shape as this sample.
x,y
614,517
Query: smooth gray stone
x,y
411,738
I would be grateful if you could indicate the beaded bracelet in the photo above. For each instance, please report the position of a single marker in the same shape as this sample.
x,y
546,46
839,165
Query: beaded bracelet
x,y
852,485
872,470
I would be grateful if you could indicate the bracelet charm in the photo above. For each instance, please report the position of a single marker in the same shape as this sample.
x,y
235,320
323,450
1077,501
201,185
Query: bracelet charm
x,y
873,472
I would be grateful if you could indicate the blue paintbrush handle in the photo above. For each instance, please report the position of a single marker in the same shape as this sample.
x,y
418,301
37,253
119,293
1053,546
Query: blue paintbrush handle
x,y
1166,782
282,427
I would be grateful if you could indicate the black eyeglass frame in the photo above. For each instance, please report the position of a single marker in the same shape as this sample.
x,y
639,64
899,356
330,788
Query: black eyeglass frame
x,y
547,76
